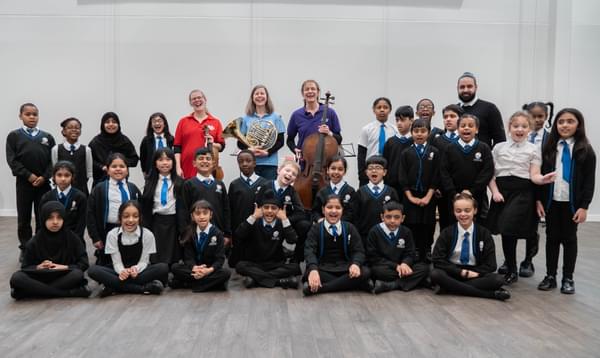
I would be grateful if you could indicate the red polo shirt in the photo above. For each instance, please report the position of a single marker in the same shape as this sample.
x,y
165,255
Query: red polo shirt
x,y
189,137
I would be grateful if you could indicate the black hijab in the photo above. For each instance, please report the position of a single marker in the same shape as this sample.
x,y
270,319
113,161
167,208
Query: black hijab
x,y
48,245
115,141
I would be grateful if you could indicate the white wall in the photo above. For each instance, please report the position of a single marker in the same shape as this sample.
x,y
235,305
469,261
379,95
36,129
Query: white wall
x,y
82,58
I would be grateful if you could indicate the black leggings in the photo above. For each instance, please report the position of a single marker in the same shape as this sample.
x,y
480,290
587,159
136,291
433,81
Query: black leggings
x,y
483,286
39,286
110,278
560,229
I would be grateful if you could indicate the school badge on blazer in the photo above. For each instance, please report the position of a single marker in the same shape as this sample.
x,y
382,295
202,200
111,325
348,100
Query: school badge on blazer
x,y
275,236
213,241
431,155
45,141
481,246
219,189
401,244
477,157
347,198
73,206
287,200
386,199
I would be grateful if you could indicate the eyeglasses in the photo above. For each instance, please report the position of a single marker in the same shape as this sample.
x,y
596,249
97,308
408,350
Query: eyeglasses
x,y
375,167
425,106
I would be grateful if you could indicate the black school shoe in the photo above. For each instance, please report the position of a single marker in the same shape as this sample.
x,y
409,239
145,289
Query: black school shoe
x,y
384,286
510,278
568,286
83,292
501,294
526,269
153,288
503,269
547,284
248,282
289,282
106,291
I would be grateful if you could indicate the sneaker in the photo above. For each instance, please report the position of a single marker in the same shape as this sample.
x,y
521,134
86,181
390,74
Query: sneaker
x,y
503,269
547,284
153,288
526,269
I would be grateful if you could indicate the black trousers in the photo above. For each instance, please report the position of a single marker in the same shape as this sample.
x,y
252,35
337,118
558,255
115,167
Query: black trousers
x,y
405,283
301,227
28,195
423,236
110,278
560,229
341,281
39,286
483,286
217,280
267,274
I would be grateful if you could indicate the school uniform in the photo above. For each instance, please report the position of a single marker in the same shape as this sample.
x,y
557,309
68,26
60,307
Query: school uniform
x,y
28,152
206,247
391,152
288,197
164,214
468,166
420,173
105,144
367,205
387,249
452,254
103,211
434,132
242,197
342,189
267,245
373,137
331,253
443,202
213,191
75,204
515,217
81,158
562,199
62,247
149,145
126,250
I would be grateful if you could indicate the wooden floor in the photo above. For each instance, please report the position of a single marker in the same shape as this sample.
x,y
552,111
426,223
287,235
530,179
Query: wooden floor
x,y
281,323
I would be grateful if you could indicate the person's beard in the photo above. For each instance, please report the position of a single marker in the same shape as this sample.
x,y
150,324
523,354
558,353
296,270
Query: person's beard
x,y
465,98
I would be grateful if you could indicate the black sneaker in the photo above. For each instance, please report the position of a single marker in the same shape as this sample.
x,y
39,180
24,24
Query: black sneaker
x,y
526,269
153,288
503,269
106,291
501,294
510,278
547,284
568,286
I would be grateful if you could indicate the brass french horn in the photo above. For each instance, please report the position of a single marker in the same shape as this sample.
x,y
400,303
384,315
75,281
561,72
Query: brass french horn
x,y
261,134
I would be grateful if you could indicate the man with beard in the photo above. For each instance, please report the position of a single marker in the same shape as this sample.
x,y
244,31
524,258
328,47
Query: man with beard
x,y
491,130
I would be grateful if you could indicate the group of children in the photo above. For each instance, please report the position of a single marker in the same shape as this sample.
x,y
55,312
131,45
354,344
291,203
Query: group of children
x,y
376,238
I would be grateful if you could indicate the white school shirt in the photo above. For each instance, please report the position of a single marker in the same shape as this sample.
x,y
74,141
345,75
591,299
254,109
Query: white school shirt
x,y
158,208
388,231
253,178
128,239
463,143
202,178
338,227
381,186
515,159
561,187
455,257
114,200
35,131
369,136
164,140
337,187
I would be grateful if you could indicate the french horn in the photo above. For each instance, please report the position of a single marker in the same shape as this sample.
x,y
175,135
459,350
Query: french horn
x,y
261,133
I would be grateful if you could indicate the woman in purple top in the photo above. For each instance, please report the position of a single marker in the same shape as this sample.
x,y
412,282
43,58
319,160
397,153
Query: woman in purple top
x,y
307,120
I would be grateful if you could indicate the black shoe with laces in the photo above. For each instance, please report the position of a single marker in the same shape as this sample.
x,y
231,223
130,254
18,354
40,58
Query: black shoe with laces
x,y
526,269
547,284
510,278
501,294
153,288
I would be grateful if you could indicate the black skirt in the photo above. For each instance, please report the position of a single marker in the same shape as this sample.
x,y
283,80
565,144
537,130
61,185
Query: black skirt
x,y
516,216
164,228
418,214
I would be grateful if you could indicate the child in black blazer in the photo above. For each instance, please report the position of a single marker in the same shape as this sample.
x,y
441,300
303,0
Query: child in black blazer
x,y
203,254
565,202
74,201
157,137
391,253
336,169
269,240
464,256
334,254
104,202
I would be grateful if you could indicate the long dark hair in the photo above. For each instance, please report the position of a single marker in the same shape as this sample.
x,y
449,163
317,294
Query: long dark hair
x,y
150,132
582,144
153,177
190,231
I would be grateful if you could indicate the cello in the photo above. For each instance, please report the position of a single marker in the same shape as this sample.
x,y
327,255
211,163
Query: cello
x,y
317,149
217,170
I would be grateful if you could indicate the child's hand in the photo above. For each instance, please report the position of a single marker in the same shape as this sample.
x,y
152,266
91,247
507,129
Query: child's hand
x,y
46,264
58,267
227,241
425,201
404,270
415,201
354,271
472,274
99,245
197,268
580,215
258,213
124,275
133,271
32,178
179,171
498,197
539,208
314,281
549,178
282,213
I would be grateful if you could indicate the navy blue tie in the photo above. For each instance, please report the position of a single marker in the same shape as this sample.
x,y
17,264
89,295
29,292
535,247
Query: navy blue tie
x,y
249,181
268,227
72,149
376,190
161,144
280,192
420,148
124,195
207,181
452,136
164,190
532,136
381,138
392,237
30,131
334,189
467,148
62,198
566,162
464,250
334,232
